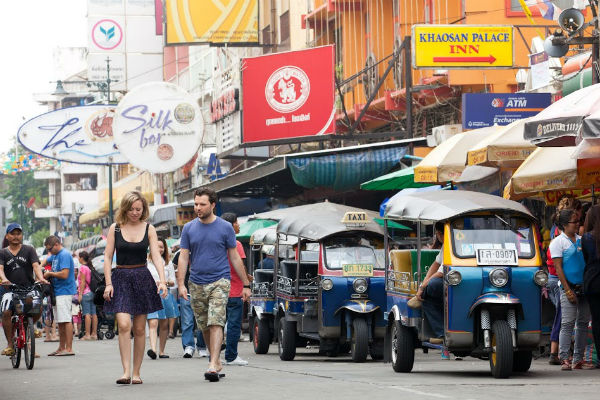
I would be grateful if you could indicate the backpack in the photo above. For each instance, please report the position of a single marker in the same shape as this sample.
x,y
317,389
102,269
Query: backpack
x,y
95,279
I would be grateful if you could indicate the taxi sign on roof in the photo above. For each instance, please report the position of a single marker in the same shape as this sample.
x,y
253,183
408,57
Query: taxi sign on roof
x,y
355,218
462,46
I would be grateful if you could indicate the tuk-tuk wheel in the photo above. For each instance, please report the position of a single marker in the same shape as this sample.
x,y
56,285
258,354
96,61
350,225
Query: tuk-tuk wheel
x,y
109,334
287,340
501,355
403,348
360,340
261,338
522,361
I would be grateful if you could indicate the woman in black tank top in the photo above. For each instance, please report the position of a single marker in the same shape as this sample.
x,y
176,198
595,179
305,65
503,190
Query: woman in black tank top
x,y
130,289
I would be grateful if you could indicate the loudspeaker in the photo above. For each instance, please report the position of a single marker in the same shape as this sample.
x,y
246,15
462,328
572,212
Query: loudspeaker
x,y
571,20
555,50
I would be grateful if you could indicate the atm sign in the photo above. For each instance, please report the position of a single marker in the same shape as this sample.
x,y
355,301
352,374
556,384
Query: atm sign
x,y
452,46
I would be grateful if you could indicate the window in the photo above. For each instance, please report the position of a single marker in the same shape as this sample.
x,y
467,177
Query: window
x,y
266,38
284,26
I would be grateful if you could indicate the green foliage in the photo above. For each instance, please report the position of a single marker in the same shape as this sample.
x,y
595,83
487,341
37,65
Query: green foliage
x,y
38,237
18,189
90,231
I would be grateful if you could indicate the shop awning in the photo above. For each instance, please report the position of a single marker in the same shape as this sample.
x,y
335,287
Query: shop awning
x,y
397,180
290,174
91,217
251,226
163,213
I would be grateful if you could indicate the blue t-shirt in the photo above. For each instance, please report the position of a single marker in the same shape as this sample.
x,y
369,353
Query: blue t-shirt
x,y
61,261
208,244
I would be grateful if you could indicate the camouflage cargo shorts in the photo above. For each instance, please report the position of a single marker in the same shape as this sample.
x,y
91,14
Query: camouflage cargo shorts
x,y
209,302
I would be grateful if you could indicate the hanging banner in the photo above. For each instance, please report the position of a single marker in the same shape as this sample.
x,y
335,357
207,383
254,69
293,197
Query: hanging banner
x,y
81,135
231,22
288,95
159,126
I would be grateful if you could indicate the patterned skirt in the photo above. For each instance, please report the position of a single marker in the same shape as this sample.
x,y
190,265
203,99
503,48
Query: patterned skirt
x,y
134,292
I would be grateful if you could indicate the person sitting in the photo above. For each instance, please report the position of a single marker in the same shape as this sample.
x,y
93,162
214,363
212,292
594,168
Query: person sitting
x,y
430,295
268,262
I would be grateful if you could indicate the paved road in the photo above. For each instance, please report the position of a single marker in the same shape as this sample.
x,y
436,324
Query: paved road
x,y
92,372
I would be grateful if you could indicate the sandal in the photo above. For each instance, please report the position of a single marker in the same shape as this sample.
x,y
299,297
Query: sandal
x,y
163,356
9,351
123,381
151,354
136,381
212,375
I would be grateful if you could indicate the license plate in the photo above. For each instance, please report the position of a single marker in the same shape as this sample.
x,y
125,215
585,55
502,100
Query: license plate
x,y
497,257
358,269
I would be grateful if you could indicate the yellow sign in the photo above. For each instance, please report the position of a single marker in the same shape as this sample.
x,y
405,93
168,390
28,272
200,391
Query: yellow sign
x,y
211,21
462,46
355,218
425,174
357,269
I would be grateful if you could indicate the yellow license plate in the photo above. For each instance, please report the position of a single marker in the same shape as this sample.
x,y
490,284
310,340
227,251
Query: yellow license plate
x,y
358,269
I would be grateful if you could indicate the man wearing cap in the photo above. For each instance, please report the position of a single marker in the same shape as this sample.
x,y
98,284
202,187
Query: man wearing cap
x,y
18,264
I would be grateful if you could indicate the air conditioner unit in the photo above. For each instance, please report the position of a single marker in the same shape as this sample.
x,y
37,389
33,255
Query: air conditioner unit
x,y
443,132
68,187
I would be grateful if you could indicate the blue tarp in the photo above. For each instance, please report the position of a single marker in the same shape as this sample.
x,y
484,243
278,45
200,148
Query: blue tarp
x,y
344,171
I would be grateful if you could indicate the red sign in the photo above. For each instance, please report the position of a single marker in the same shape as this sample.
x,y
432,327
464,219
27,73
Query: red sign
x,y
224,105
288,95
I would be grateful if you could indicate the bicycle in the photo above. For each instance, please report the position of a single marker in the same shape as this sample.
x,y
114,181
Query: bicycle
x,y
27,302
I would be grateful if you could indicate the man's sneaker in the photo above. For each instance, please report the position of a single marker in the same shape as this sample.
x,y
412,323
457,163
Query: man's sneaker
x,y
565,365
238,361
202,353
188,352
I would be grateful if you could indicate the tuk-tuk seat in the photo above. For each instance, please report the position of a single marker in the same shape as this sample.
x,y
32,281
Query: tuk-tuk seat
x,y
405,267
308,274
263,275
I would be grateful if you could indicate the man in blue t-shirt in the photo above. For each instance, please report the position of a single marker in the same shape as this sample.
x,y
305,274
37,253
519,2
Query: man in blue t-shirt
x,y
62,277
211,242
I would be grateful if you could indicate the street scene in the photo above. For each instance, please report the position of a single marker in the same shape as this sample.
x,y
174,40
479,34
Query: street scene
x,y
288,198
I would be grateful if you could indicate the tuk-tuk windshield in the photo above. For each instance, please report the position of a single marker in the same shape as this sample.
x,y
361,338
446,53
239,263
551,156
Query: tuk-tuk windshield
x,y
352,251
492,232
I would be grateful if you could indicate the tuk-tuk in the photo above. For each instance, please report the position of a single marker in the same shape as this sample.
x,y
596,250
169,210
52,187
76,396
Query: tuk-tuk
x,y
491,286
330,287
262,299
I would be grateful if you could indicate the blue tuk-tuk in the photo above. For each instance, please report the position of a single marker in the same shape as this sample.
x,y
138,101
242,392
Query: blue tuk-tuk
x,y
330,287
261,265
492,280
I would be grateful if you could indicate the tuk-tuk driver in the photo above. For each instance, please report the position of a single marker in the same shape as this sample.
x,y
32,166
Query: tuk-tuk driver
x,y
431,291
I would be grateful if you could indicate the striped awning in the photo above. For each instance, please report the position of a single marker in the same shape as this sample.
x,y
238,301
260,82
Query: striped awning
x,y
344,171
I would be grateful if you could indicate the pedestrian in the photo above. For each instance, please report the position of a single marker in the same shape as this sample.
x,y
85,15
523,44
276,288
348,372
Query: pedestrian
x,y
590,244
86,297
170,304
211,242
189,330
19,265
565,203
235,304
49,306
566,253
64,286
158,320
130,290
76,303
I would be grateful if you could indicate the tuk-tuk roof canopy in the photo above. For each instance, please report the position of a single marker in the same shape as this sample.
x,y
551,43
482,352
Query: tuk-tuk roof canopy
x,y
445,204
320,220
268,236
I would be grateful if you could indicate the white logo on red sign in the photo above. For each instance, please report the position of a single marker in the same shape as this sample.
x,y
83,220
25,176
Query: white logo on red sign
x,y
107,34
287,89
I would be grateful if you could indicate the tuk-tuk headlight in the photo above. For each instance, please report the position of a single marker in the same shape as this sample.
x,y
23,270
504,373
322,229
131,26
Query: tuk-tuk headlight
x,y
453,278
498,277
360,285
540,278
326,284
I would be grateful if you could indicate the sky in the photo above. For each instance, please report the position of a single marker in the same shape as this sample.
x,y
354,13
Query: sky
x,y
30,31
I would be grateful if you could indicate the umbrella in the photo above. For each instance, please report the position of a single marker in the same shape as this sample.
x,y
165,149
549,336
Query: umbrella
x,y
392,224
559,123
506,147
447,161
249,227
397,180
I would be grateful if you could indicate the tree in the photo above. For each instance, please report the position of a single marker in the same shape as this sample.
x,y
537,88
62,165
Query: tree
x,y
19,189
38,237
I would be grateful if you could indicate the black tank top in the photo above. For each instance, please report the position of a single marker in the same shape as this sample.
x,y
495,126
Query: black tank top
x,y
130,253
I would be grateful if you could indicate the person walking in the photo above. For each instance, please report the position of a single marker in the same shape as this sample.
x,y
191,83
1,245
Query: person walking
x,y
130,291
158,320
566,253
211,242
63,283
235,304
188,329
86,297
590,245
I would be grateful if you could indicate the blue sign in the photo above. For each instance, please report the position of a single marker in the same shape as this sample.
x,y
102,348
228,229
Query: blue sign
x,y
486,109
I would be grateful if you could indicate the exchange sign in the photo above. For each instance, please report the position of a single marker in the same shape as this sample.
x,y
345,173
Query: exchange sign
x,y
452,46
